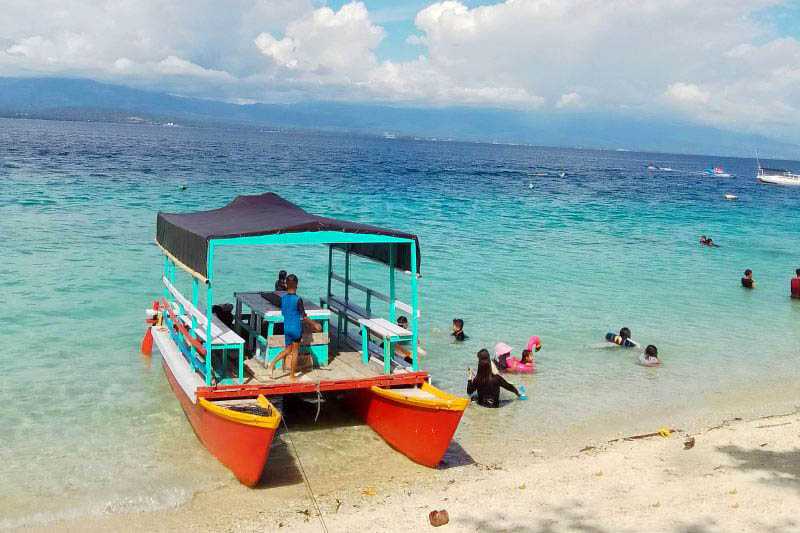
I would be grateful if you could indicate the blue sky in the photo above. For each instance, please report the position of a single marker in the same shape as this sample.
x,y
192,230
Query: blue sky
x,y
725,63
397,18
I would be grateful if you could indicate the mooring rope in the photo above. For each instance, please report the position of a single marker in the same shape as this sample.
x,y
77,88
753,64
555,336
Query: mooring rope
x,y
305,476
319,401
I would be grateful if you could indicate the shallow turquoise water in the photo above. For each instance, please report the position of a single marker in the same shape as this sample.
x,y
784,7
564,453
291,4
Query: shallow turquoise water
x,y
507,244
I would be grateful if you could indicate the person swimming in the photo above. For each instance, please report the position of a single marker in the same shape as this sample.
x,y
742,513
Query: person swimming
x,y
708,241
650,356
747,281
622,339
502,352
534,344
486,383
458,330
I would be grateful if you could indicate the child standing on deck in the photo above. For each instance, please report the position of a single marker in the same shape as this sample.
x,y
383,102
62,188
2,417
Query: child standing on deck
x,y
293,316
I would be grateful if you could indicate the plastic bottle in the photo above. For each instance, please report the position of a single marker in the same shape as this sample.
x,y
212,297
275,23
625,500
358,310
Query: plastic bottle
x,y
523,393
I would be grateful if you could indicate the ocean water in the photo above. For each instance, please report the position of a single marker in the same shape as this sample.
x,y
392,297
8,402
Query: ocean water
x,y
508,244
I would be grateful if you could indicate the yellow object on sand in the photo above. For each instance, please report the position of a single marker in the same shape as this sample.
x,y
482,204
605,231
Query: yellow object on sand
x,y
665,432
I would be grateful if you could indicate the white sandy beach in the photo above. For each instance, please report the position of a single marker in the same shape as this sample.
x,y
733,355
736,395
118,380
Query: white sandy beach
x,y
740,475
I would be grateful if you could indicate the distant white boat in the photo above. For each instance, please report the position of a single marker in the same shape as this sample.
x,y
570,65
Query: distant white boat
x,y
387,135
729,196
777,176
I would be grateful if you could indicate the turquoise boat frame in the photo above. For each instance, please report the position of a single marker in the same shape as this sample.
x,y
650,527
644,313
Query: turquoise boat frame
x,y
334,240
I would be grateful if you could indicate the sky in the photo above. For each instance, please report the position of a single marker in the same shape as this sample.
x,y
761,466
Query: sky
x,y
732,64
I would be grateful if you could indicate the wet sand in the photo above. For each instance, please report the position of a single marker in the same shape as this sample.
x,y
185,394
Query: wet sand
x,y
739,475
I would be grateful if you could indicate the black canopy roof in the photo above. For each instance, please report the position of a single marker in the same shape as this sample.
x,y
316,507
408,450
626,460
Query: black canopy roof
x,y
186,235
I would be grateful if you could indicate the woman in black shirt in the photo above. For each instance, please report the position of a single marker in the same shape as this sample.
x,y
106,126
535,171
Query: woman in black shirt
x,y
487,384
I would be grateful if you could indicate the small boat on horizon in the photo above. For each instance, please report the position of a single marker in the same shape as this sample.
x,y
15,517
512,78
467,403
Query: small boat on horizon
x,y
717,172
653,168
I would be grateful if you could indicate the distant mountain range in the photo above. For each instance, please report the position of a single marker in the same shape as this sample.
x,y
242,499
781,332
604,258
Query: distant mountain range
x,y
80,99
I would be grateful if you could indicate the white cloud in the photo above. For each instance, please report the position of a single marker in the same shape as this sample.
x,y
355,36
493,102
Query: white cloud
x,y
569,100
327,42
687,93
711,61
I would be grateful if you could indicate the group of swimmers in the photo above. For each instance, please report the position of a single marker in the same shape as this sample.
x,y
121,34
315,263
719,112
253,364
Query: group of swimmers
x,y
488,381
794,284
747,280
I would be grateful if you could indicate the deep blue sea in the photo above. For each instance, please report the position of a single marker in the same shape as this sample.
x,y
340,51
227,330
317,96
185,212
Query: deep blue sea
x,y
516,240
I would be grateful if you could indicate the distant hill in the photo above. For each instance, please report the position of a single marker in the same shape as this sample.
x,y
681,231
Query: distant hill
x,y
79,99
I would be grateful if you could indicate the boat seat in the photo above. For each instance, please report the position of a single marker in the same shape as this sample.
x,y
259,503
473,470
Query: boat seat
x,y
384,329
390,334
222,334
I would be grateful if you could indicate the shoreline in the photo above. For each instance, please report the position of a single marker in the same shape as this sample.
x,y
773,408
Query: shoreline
x,y
615,483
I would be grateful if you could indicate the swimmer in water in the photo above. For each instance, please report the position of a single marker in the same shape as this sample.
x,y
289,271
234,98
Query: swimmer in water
x,y
534,344
651,355
747,281
794,285
502,352
486,383
622,339
458,330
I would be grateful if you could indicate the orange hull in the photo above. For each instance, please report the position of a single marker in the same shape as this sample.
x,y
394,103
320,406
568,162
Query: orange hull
x,y
420,430
242,447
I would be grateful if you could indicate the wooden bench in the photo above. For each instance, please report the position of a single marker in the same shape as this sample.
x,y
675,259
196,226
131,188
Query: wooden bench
x,y
222,337
389,334
345,311
221,334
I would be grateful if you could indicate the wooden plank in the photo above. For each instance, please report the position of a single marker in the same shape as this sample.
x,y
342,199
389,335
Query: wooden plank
x,y
261,305
278,341
386,328
226,336
251,390
352,361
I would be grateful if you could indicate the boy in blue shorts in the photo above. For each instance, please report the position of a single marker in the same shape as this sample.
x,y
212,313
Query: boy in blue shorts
x,y
293,316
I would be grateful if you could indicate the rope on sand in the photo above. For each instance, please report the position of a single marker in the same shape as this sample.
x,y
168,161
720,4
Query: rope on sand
x,y
305,476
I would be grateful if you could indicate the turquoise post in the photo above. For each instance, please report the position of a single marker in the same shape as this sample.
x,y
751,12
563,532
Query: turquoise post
x,y
392,310
364,344
166,275
414,309
195,303
209,312
241,364
172,269
330,272
346,283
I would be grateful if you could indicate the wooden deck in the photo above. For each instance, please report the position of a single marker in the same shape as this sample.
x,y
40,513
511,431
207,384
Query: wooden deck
x,y
344,372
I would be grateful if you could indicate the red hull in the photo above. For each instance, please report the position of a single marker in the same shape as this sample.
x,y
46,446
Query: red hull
x,y
244,449
422,434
